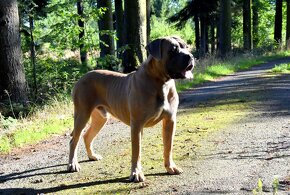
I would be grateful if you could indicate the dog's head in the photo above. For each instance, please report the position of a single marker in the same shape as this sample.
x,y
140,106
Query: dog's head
x,y
174,54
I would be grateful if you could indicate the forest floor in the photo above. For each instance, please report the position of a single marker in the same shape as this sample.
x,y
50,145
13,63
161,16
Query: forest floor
x,y
242,138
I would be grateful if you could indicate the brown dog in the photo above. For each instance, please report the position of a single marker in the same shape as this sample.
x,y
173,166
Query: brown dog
x,y
140,99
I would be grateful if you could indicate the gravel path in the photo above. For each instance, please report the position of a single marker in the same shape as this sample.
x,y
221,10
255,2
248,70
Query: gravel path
x,y
230,161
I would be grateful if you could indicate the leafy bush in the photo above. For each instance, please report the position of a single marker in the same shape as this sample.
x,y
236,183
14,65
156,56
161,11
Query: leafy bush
x,y
55,76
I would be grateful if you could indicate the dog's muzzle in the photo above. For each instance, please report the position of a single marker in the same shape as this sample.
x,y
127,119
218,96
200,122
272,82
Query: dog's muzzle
x,y
185,73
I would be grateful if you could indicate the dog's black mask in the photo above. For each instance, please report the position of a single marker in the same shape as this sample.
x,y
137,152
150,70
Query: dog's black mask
x,y
179,61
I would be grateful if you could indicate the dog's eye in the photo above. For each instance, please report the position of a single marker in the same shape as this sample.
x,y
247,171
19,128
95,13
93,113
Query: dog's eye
x,y
175,48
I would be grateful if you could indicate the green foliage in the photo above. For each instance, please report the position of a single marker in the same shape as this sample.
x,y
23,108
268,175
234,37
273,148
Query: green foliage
x,y
7,123
161,28
282,68
109,61
60,27
55,76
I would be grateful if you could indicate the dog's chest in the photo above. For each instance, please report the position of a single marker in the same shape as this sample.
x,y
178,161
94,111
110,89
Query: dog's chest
x,y
165,101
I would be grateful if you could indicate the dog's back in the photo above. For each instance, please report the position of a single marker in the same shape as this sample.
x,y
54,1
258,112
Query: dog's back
x,y
104,90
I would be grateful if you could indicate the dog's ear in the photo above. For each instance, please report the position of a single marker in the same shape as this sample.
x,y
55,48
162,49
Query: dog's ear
x,y
154,48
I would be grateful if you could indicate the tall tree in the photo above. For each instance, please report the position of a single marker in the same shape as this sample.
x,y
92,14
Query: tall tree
x,y
255,8
30,11
135,31
225,28
204,35
32,49
119,13
148,13
247,25
278,22
288,26
212,35
105,30
12,77
196,32
202,11
81,23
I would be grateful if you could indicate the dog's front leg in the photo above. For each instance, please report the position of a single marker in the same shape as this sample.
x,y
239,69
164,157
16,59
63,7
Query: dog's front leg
x,y
136,169
168,131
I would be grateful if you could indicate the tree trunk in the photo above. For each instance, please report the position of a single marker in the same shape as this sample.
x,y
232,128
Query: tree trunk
x,y
247,25
81,23
32,53
105,27
148,12
135,27
225,28
255,23
278,22
203,37
119,11
212,36
196,31
12,77
288,26
218,30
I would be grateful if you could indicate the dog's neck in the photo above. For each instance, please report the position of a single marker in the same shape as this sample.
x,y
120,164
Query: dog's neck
x,y
154,69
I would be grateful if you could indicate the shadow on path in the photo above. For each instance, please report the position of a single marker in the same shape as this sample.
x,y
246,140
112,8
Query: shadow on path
x,y
271,94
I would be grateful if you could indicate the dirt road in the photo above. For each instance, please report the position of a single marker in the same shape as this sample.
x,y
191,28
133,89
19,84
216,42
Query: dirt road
x,y
229,161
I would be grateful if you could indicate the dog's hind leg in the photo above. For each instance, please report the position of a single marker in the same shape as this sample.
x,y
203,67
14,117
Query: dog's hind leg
x,y
81,117
99,118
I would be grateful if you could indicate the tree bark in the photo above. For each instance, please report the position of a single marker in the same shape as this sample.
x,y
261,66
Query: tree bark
x,y
32,53
105,28
247,25
225,28
81,23
148,13
288,26
278,22
119,12
255,23
12,76
203,37
196,31
212,36
135,31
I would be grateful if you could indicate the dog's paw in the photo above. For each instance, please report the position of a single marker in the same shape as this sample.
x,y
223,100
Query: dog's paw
x,y
95,157
174,170
137,176
73,167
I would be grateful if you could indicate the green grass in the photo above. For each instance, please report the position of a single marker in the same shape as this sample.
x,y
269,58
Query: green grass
x,y
282,68
55,118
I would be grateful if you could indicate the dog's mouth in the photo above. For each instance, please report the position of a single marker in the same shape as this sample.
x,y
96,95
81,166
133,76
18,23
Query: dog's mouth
x,y
184,74
187,72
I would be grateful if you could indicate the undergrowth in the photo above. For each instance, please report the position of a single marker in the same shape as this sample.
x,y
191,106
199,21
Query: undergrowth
x,y
51,119
282,68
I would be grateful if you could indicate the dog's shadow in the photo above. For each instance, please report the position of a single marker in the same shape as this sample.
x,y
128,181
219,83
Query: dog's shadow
x,y
42,172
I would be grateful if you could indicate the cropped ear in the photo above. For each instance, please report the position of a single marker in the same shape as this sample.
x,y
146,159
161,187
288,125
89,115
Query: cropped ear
x,y
155,48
